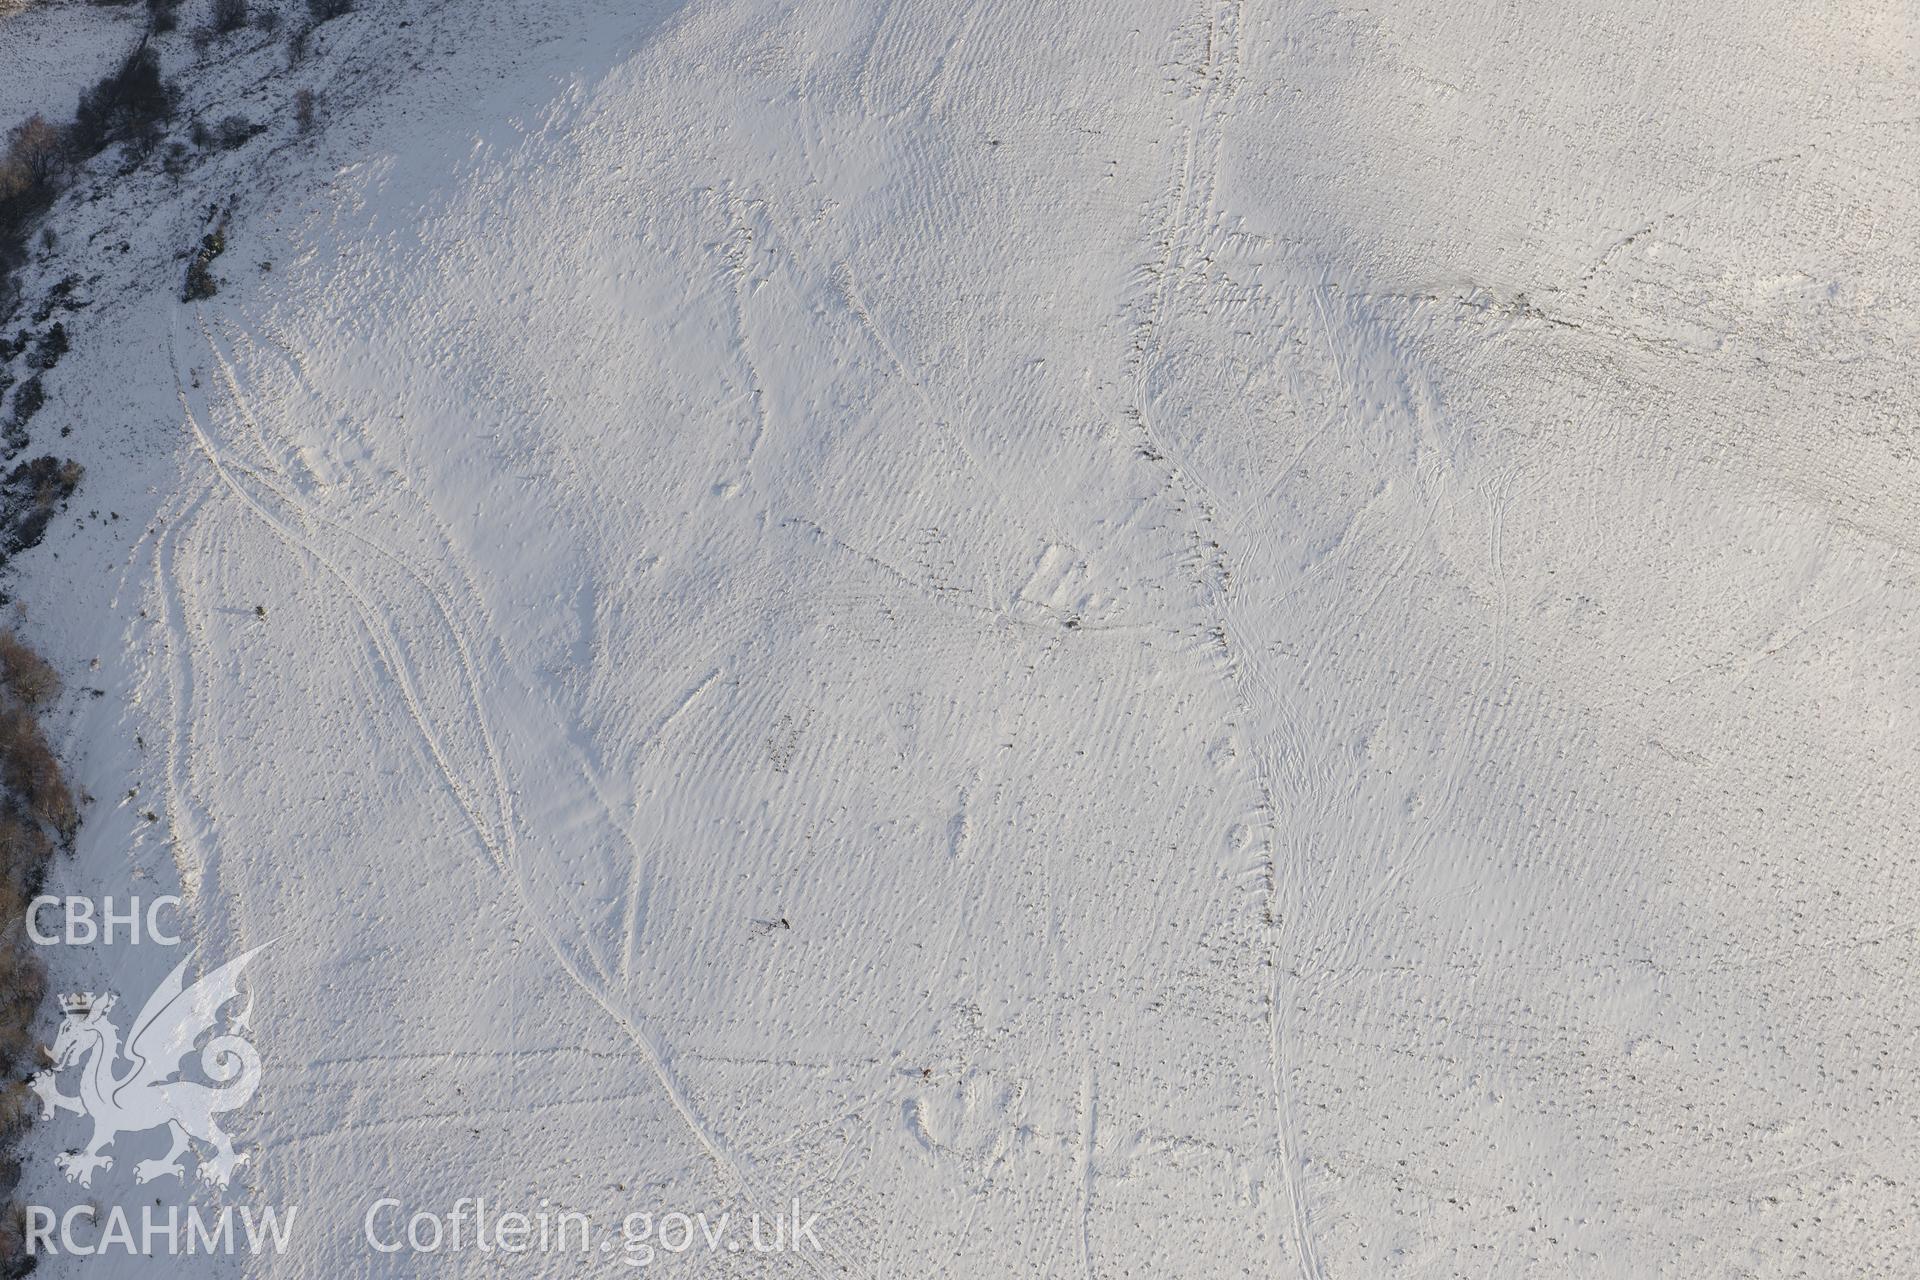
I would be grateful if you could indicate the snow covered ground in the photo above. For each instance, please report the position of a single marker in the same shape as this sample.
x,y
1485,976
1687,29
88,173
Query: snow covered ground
x,y
1123,639
51,49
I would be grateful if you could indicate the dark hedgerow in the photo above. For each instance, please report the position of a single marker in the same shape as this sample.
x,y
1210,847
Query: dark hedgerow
x,y
128,105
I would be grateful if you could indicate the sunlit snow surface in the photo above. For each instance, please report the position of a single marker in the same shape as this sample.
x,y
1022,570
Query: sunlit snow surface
x,y
1096,639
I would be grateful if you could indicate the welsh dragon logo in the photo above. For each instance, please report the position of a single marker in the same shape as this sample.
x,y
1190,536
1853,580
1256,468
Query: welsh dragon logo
x,y
151,1092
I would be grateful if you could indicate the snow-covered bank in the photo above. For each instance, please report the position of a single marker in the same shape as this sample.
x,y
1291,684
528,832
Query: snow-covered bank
x,y
1092,640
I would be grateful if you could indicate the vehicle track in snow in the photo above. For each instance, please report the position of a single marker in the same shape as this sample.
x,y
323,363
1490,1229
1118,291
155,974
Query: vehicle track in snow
x,y
578,959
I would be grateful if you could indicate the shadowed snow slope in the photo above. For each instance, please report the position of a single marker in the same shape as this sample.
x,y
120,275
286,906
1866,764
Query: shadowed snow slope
x,y
1097,639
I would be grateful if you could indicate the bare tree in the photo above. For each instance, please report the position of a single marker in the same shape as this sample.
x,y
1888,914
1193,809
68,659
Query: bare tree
x,y
34,154
305,110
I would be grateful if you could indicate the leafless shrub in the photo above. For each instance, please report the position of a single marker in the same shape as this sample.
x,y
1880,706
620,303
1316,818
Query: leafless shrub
x,y
18,1108
36,151
234,131
23,985
26,849
27,675
32,772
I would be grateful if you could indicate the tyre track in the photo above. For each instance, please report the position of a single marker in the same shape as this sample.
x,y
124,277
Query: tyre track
x,y
577,959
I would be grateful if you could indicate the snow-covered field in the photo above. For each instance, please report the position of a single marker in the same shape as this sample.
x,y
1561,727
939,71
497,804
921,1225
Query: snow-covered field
x,y
51,49
1092,639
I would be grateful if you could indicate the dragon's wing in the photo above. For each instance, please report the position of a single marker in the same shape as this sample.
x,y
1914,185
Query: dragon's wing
x,y
174,1017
